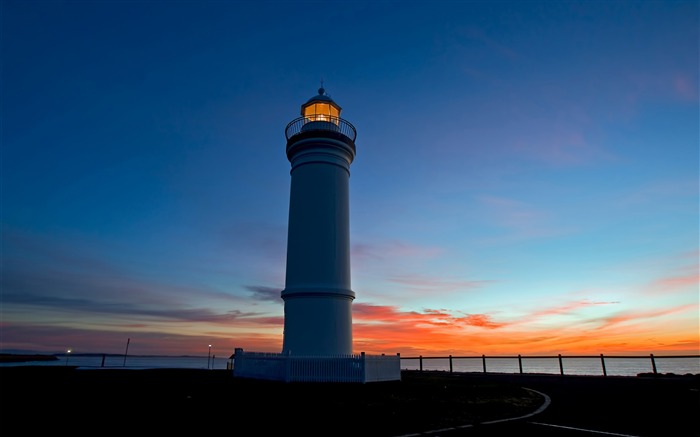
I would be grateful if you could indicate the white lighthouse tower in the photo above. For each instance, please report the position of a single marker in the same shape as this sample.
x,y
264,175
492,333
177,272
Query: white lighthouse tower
x,y
317,339
317,294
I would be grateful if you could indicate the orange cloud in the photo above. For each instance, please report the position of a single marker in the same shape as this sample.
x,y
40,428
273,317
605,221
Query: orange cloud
x,y
480,320
640,316
437,332
672,283
569,308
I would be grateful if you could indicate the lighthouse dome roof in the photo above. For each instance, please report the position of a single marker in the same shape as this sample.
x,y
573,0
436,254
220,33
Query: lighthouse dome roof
x,y
321,97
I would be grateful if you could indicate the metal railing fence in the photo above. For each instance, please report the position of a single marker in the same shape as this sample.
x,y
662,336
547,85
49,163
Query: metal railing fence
x,y
451,363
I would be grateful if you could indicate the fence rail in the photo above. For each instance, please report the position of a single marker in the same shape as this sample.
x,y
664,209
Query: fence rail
x,y
613,365
453,361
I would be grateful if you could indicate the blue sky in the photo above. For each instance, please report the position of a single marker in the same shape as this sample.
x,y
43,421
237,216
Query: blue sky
x,y
526,178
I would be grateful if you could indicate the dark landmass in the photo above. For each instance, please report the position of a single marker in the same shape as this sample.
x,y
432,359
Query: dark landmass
x,y
199,401
22,358
204,401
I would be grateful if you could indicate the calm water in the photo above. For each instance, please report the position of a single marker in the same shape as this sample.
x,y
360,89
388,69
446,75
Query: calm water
x,y
131,362
614,366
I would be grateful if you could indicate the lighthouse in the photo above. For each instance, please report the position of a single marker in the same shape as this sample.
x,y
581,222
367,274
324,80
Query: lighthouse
x,y
317,338
318,295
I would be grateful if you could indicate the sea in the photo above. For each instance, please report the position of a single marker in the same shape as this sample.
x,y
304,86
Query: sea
x,y
576,365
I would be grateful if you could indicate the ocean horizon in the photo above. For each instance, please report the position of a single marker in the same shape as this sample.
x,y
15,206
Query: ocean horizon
x,y
574,365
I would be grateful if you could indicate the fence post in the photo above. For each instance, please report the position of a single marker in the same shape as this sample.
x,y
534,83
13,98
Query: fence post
x,y
602,361
653,363
450,363
520,364
483,362
364,366
420,362
126,352
398,357
561,365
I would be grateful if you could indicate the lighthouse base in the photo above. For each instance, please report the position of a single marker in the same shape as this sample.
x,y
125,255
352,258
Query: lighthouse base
x,y
317,323
297,368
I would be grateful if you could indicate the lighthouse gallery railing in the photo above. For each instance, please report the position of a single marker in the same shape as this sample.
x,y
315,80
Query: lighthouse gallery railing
x,y
328,124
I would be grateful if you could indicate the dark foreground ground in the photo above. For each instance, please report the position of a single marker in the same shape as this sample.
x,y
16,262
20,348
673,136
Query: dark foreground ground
x,y
207,402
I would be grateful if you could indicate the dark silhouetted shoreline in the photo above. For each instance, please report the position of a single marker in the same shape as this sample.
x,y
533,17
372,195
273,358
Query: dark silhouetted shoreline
x,y
170,399
46,398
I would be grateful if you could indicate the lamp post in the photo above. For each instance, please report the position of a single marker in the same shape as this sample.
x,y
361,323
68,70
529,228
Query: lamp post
x,y
209,357
67,356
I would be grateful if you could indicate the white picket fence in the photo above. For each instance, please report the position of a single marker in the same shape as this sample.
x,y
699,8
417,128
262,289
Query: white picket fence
x,y
338,368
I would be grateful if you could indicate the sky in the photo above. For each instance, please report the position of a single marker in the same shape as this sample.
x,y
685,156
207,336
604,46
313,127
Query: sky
x,y
526,179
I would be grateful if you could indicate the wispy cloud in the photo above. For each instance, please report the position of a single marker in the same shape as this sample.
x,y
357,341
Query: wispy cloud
x,y
667,275
261,292
59,283
480,320
126,311
143,340
566,309
479,35
675,283
662,190
427,318
685,87
402,263
425,282
557,145
389,250
668,84
643,316
523,220
513,213
252,239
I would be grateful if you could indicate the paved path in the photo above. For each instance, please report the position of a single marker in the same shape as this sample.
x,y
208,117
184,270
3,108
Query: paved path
x,y
601,406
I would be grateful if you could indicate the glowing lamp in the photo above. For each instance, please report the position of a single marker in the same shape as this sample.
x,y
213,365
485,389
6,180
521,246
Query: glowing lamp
x,y
321,108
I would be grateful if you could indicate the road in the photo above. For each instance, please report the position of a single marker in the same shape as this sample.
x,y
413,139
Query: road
x,y
600,406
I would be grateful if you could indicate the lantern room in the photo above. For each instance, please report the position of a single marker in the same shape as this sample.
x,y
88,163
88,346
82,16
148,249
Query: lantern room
x,y
321,108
